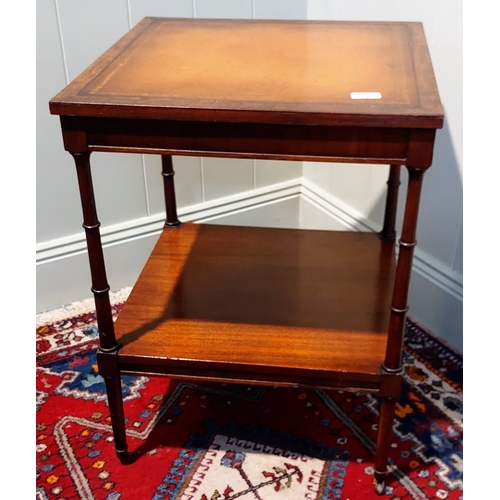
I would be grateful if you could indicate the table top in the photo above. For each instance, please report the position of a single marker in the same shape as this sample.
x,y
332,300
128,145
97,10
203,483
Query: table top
x,y
297,72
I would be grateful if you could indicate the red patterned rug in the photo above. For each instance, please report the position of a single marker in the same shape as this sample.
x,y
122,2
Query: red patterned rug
x,y
212,441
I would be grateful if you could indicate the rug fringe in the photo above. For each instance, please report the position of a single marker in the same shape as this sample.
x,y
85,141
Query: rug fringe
x,y
79,307
443,342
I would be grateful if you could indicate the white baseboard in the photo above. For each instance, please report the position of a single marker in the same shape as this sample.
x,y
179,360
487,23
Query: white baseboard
x,y
426,265
62,272
128,231
436,292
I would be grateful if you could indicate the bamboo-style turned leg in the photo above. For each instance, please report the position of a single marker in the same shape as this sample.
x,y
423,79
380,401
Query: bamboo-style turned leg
x,y
91,224
106,357
115,402
391,204
399,308
169,191
386,418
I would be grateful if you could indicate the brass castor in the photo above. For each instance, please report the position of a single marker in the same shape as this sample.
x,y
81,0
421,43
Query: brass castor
x,y
379,483
126,457
379,487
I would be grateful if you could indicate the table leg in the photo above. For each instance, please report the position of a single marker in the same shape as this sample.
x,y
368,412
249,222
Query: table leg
x,y
387,406
169,189
399,305
391,204
108,346
91,224
399,308
115,402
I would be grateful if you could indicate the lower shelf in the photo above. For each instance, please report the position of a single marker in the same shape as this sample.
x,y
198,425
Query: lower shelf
x,y
280,306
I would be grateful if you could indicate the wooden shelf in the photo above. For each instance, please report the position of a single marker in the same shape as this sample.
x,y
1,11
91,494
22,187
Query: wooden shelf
x,y
262,304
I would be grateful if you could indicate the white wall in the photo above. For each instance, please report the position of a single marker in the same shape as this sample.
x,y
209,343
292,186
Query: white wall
x,y
436,288
71,34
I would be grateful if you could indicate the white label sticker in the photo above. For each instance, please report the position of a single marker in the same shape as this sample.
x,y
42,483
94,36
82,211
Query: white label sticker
x,y
366,95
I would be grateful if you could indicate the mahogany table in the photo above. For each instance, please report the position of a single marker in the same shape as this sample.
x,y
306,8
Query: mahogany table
x,y
259,305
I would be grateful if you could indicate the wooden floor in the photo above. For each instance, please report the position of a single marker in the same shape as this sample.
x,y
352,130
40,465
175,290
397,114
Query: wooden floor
x,y
270,305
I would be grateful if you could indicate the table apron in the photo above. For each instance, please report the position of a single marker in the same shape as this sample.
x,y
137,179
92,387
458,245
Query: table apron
x,y
248,140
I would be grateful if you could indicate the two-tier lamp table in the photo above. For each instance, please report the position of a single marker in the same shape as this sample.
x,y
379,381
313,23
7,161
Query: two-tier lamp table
x,y
279,307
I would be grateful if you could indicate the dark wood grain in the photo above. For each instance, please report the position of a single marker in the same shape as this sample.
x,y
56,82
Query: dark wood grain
x,y
297,142
255,299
